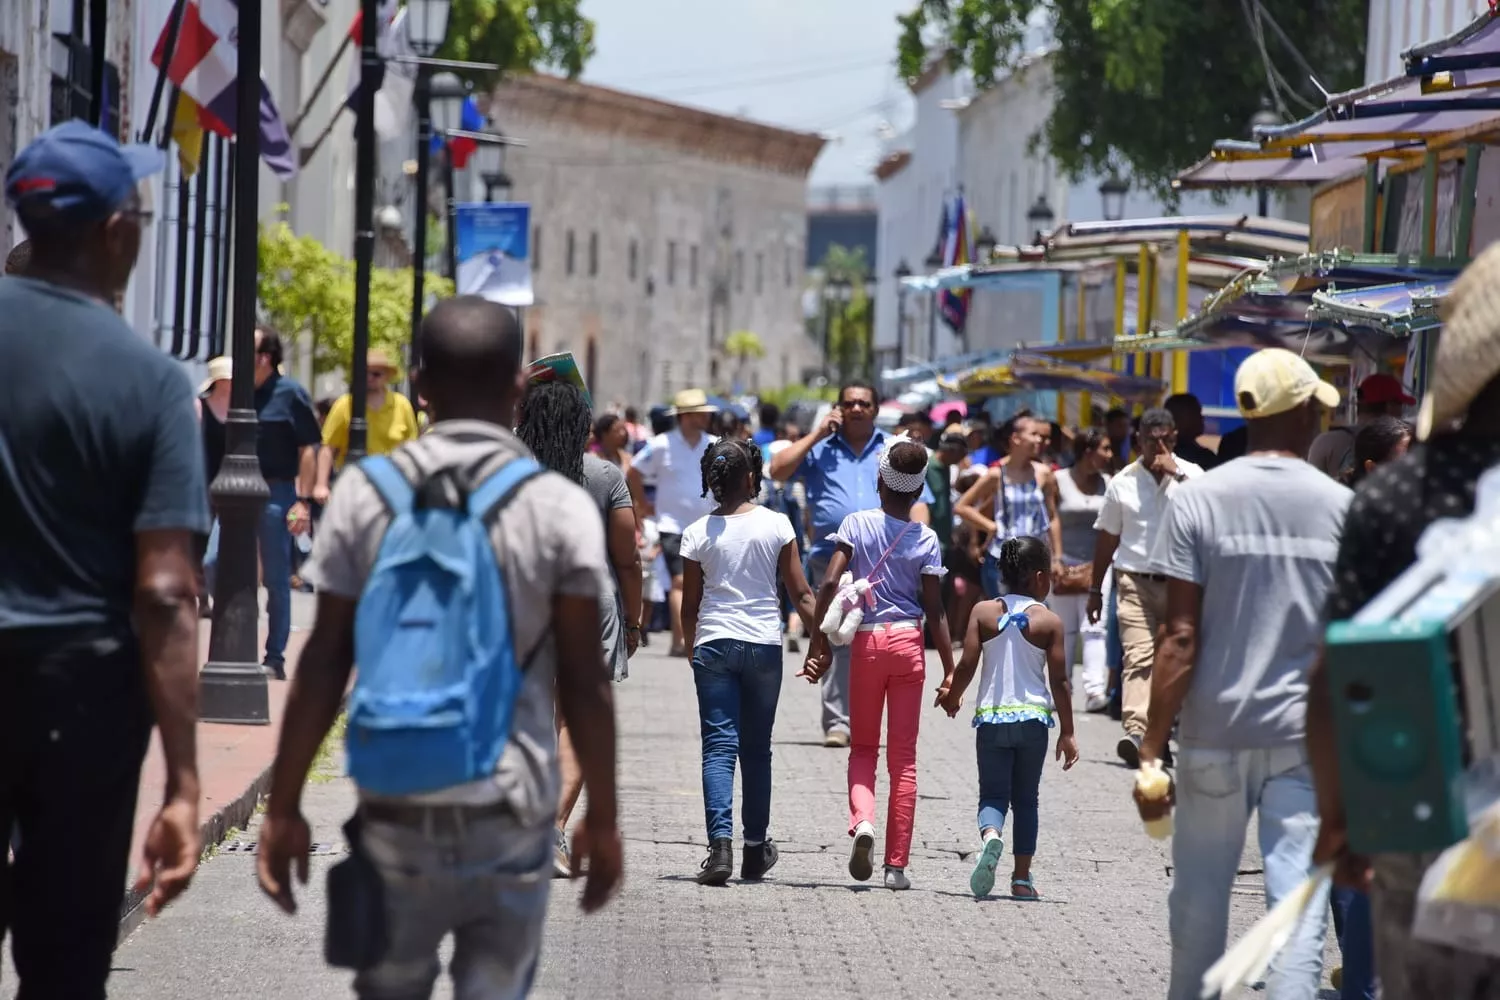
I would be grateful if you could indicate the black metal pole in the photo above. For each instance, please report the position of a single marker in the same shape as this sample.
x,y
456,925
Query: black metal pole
x,y
200,250
932,311
98,25
452,208
174,28
423,98
900,326
827,334
234,687
364,222
214,150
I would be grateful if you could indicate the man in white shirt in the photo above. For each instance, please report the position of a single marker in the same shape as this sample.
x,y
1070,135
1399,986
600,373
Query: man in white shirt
x,y
1135,506
673,463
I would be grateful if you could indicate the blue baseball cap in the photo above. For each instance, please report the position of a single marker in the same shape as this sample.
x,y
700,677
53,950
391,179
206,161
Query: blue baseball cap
x,y
76,170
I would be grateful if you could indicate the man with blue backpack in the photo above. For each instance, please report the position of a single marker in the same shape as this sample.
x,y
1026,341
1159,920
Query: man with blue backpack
x,y
464,580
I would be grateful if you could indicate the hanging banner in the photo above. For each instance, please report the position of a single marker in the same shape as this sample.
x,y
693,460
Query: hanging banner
x,y
493,246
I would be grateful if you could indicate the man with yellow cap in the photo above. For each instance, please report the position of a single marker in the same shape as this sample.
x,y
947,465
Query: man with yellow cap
x,y
1247,550
390,422
1458,432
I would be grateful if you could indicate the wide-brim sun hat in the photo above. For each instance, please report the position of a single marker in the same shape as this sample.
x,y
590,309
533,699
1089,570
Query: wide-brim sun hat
x,y
1468,350
220,369
691,401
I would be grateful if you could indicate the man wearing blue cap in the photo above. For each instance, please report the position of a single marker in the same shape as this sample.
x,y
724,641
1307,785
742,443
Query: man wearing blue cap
x,y
102,492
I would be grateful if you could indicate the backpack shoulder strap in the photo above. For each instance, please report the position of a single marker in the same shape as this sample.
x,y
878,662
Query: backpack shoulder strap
x,y
389,482
498,487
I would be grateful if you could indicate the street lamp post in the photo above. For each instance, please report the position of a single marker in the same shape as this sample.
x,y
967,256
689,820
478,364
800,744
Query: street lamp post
x,y
1040,217
934,262
903,271
428,28
1112,191
364,223
233,686
984,246
447,95
490,159
1265,118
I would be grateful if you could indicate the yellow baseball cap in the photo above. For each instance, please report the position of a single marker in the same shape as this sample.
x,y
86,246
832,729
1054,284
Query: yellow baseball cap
x,y
1275,380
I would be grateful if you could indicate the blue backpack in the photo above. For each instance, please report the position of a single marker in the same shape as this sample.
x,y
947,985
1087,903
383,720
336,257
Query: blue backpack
x,y
437,673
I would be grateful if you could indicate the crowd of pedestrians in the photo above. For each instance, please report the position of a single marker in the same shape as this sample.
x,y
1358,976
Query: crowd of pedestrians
x,y
494,571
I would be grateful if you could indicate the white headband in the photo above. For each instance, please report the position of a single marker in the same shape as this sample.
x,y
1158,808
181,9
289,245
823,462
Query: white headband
x,y
901,482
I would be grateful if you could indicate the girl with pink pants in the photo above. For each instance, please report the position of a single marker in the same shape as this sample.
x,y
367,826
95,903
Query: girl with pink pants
x,y
903,562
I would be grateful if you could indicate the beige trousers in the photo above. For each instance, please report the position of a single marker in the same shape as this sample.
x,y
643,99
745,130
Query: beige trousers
x,y
1143,607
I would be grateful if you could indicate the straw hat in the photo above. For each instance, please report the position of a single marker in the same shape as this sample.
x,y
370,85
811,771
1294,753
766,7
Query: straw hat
x,y
692,401
376,359
220,369
1468,350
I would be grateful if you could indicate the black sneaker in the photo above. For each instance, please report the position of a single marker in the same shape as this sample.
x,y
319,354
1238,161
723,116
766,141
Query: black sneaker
x,y
278,670
719,864
1129,751
758,859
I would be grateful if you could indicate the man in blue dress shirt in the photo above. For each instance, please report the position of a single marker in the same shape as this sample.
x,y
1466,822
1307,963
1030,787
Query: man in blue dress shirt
x,y
839,465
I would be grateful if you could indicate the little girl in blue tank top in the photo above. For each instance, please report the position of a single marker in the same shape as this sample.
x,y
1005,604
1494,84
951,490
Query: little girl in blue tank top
x,y
1022,693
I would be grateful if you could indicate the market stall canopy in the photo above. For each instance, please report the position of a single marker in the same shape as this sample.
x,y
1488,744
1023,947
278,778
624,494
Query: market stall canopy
x,y
1029,372
1273,306
1244,235
1476,46
1398,310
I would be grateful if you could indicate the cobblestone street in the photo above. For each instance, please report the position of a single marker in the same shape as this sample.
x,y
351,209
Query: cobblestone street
x,y
808,932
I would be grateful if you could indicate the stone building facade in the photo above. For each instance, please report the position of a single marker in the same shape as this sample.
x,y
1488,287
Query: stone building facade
x,y
657,231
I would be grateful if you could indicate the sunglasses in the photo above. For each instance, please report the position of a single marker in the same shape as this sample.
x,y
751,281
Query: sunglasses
x,y
856,404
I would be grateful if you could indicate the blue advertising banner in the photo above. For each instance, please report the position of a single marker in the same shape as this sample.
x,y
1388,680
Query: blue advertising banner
x,y
493,246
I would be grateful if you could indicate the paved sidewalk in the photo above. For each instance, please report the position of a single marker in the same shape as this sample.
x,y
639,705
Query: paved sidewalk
x,y
233,761
808,932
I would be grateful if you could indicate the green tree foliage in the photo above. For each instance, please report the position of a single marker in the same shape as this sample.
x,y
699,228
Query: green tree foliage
x,y
307,291
744,346
520,35
851,321
1147,86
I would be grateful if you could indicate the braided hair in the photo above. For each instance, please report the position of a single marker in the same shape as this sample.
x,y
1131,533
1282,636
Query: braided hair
x,y
555,425
726,464
1021,558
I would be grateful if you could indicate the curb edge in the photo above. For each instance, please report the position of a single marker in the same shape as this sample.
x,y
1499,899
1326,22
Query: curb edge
x,y
212,832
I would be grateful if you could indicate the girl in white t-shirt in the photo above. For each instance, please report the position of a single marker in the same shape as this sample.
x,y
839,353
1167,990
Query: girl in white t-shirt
x,y
731,621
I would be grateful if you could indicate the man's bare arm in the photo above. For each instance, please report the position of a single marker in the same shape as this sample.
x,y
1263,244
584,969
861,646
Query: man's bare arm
x,y
1176,654
166,616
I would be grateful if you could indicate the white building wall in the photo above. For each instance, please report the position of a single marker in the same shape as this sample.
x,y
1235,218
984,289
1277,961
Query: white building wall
x,y
1003,177
649,335
1397,25
25,87
911,205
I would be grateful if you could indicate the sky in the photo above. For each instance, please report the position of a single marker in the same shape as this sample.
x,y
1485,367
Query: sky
x,y
811,65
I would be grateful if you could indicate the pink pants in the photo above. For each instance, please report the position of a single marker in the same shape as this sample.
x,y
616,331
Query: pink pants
x,y
886,666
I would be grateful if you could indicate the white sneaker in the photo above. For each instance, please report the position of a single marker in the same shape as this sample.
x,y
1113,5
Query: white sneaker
x,y
860,865
895,878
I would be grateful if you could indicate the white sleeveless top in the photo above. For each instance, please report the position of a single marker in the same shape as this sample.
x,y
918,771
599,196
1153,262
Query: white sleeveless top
x,y
1013,683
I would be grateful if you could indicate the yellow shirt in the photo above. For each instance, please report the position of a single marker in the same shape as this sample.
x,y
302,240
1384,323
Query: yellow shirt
x,y
389,427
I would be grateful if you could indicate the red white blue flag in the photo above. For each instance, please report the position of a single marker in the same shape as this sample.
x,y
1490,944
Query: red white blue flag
x,y
205,66
954,303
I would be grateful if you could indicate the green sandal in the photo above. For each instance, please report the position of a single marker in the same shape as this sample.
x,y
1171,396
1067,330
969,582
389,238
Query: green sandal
x,y
1028,891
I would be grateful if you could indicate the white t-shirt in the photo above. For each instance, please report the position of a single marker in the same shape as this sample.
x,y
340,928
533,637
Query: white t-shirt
x,y
739,557
675,468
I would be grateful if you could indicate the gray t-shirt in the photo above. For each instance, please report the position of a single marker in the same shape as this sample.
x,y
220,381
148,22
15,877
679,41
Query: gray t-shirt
x,y
606,484
1259,535
550,540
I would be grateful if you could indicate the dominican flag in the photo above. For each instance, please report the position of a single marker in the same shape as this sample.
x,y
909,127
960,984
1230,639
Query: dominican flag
x,y
205,66
460,148
395,80
955,252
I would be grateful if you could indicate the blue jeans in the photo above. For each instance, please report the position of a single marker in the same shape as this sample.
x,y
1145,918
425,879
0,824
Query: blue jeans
x,y
1011,757
989,576
738,684
485,882
836,681
275,567
1217,790
1352,923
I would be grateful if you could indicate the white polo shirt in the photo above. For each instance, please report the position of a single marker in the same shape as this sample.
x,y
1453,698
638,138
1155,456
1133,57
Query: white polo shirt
x,y
1135,505
675,468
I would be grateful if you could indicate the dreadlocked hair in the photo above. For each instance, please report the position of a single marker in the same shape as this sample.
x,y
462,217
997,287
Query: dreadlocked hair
x,y
726,463
555,425
1022,558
